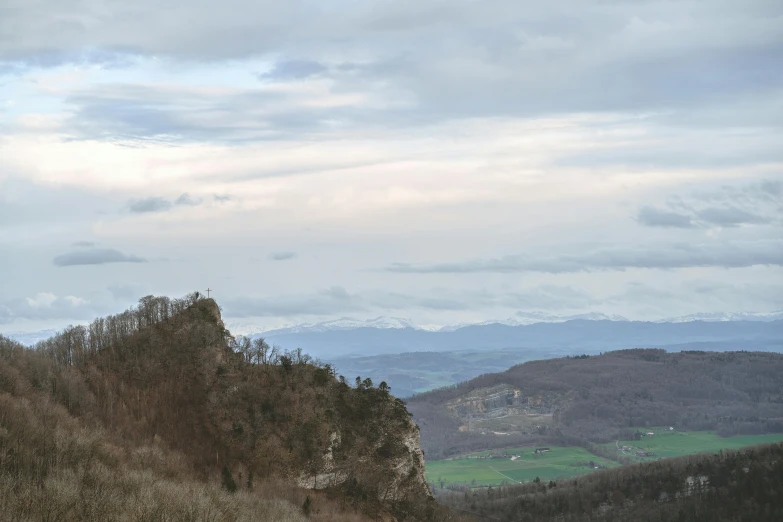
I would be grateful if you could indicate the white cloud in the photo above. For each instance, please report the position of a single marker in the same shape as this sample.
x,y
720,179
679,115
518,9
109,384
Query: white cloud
x,y
46,308
42,300
75,301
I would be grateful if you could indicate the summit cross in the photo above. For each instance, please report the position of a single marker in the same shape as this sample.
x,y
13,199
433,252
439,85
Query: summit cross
x,y
209,290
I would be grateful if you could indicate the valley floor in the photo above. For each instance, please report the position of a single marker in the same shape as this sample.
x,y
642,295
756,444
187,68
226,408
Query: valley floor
x,y
671,443
497,467
515,465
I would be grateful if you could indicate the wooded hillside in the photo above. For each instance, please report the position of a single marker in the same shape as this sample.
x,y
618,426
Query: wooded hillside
x,y
148,411
578,400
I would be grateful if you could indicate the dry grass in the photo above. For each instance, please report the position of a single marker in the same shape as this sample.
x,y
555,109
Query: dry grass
x,y
101,494
323,509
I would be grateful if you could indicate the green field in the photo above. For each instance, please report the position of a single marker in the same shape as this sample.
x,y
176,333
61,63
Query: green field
x,y
559,462
667,443
495,471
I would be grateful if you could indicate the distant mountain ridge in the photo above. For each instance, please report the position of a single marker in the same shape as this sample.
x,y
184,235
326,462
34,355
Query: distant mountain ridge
x,y
528,318
715,317
519,319
555,339
383,322
347,323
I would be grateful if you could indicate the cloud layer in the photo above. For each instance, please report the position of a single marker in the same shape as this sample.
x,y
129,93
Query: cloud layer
x,y
45,306
159,204
282,256
653,217
730,207
95,256
446,162
736,255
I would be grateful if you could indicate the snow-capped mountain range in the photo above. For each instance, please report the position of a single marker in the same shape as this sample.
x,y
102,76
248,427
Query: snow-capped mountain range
x,y
526,318
725,316
519,319
344,323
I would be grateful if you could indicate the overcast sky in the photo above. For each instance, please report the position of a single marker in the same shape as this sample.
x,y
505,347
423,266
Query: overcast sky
x,y
444,161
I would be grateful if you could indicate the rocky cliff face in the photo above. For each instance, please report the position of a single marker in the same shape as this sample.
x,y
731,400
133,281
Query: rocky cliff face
x,y
413,464
487,402
402,474
330,476
211,307
505,410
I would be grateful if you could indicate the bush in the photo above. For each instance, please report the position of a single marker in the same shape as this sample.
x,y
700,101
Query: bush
x,y
228,481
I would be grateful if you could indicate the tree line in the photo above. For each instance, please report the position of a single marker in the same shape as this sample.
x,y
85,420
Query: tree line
x,y
76,344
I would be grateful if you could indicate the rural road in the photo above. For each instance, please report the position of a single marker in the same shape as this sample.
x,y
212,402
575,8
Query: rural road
x,y
506,476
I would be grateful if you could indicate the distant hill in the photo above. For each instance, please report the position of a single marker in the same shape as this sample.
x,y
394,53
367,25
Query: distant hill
x,y
410,373
152,410
587,399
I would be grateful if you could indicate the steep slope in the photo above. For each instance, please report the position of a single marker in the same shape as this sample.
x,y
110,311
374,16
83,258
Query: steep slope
x,y
584,399
166,373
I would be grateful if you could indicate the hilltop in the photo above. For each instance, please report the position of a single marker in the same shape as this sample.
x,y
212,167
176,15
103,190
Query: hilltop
x,y
161,409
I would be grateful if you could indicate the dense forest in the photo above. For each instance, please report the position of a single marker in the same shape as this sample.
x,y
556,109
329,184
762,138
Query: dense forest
x,y
588,399
159,414
744,485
